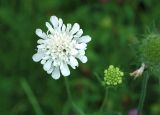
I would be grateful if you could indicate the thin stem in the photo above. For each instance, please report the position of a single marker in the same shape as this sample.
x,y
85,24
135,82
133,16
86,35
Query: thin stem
x,y
143,92
31,97
70,98
159,82
103,102
98,78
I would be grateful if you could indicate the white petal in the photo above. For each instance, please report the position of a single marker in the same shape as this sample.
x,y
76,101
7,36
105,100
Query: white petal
x,y
43,61
40,41
47,65
84,39
60,23
74,52
47,52
75,28
79,33
64,69
81,46
68,27
50,28
46,57
56,73
81,52
83,58
41,46
63,28
50,70
37,57
41,34
54,21
73,62
74,67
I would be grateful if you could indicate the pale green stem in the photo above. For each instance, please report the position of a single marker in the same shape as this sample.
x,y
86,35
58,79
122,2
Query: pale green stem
x,y
31,97
104,101
143,93
79,111
98,78
159,82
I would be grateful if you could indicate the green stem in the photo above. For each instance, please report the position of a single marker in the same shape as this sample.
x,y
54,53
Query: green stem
x,y
70,98
159,82
143,92
103,102
98,78
31,97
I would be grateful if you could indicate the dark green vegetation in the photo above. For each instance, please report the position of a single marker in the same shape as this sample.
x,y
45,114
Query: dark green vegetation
x,y
150,49
115,28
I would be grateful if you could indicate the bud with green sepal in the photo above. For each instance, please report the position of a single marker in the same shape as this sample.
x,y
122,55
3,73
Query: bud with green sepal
x,y
113,76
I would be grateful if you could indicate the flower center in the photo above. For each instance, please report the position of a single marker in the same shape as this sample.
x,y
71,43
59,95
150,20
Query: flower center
x,y
60,46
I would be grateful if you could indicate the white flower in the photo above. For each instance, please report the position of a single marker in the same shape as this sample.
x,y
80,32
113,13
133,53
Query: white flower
x,y
61,46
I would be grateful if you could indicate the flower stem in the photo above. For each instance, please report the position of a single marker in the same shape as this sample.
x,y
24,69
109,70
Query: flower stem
x,y
31,97
103,102
159,81
143,92
70,98
98,78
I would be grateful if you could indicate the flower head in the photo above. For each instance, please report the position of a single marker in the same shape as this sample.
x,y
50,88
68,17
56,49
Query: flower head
x,y
113,76
150,50
60,46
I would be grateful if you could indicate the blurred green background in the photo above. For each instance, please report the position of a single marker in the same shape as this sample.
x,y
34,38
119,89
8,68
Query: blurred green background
x,y
114,25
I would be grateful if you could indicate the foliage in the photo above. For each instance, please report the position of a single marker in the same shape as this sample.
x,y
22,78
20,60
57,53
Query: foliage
x,y
115,26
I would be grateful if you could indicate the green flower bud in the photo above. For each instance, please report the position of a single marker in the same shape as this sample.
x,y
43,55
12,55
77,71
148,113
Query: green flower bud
x,y
150,50
113,76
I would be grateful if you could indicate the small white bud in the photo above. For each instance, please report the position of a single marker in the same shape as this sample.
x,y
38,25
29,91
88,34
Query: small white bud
x,y
138,72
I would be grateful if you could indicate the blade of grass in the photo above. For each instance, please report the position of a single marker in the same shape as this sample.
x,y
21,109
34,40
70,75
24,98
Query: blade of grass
x,y
70,98
31,97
